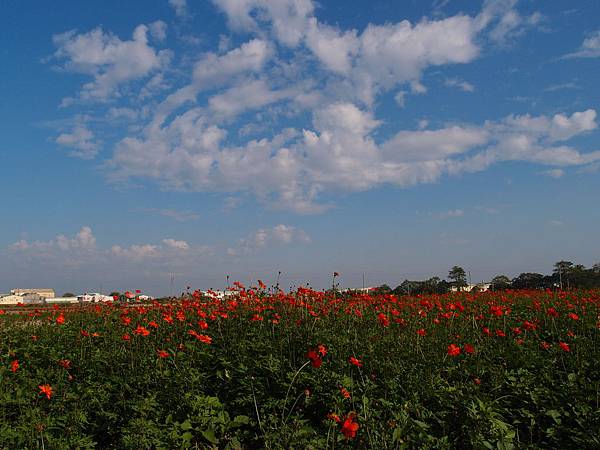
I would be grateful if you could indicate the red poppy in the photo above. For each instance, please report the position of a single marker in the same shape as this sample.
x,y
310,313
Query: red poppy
x,y
14,365
315,359
564,346
469,349
203,324
383,319
46,390
573,316
453,350
143,331
334,417
137,291
126,320
500,333
355,361
421,332
349,427
153,324
162,354
345,393
322,349
545,345
126,337
84,333
60,319
64,363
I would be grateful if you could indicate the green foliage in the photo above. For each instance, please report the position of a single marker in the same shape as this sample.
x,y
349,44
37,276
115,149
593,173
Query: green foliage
x,y
255,387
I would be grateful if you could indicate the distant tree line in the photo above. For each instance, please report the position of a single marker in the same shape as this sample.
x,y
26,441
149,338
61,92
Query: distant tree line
x,y
565,275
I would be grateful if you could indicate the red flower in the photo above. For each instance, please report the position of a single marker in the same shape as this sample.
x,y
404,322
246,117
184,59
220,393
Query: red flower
x,y
64,363
85,333
315,359
345,393
500,333
60,319
349,427
143,331
153,324
334,417
453,350
163,354
14,366
545,345
137,291
168,319
126,337
355,361
383,319
46,390
565,347
126,320
477,381
421,332
469,349
203,324
322,349
573,316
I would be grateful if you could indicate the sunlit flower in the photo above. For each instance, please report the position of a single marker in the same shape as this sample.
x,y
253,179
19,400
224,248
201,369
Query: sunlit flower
x,y
14,366
46,389
453,350
350,427
356,362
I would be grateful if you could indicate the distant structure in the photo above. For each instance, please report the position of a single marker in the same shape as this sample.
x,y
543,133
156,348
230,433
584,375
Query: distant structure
x,y
44,293
479,287
361,290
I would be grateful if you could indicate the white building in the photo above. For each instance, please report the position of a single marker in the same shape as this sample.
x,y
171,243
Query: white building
x,y
479,287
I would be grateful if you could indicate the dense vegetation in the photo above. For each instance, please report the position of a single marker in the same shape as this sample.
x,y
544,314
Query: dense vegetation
x,y
566,275
306,370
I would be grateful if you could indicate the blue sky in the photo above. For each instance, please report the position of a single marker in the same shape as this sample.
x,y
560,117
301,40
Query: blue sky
x,y
247,137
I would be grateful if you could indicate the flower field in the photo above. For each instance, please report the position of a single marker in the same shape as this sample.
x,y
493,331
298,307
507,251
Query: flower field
x,y
513,369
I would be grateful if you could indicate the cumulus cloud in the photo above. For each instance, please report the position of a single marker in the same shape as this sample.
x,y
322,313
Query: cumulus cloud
x,y
177,245
290,114
84,241
81,140
109,60
180,7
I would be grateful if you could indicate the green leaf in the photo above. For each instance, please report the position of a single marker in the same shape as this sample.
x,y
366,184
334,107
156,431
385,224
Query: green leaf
x,y
186,425
209,435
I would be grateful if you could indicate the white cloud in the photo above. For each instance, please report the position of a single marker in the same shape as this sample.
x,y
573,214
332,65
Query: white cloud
x,y
158,30
179,216
265,237
81,139
180,8
555,173
178,245
590,48
451,213
83,241
109,60
461,84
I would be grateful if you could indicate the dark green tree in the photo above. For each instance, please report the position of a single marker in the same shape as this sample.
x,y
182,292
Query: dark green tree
x,y
500,283
458,276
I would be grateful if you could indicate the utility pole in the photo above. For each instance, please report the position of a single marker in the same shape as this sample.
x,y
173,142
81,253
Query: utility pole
x,y
469,277
363,280
172,282
560,276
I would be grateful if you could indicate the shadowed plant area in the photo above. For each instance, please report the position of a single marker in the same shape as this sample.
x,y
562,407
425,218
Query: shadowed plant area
x,y
307,369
